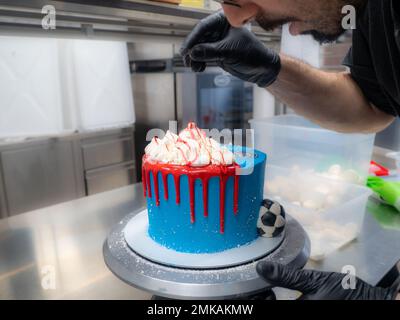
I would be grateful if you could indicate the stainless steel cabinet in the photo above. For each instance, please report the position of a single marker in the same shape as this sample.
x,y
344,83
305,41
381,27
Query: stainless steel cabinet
x,y
41,173
109,161
110,177
108,150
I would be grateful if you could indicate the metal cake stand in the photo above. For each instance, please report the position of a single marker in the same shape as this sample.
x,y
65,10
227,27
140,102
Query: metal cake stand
x,y
179,283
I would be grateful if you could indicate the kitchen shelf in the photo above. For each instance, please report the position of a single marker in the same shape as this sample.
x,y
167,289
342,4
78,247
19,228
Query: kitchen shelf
x,y
131,21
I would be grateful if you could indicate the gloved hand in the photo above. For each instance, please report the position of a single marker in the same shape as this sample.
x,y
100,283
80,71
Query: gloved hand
x,y
315,285
236,50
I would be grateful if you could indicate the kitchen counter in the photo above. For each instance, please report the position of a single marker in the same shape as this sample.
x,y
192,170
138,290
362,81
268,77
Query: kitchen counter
x,y
64,243
56,252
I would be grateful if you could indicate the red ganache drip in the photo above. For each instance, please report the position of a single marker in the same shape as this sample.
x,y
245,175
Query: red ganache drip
x,y
193,173
191,198
236,195
165,182
144,179
205,196
148,184
222,187
157,194
177,180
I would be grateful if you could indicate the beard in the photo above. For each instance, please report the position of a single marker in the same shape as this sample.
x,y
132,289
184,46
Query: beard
x,y
324,37
327,19
269,23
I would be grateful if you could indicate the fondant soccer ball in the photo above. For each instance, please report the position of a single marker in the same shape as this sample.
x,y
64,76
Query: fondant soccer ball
x,y
271,221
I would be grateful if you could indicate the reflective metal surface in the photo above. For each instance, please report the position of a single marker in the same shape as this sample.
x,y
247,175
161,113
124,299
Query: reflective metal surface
x,y
68,239
177,283
37,172
109,162
65,239
134,20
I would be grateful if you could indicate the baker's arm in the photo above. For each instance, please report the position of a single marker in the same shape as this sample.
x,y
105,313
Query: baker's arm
x,y
332,100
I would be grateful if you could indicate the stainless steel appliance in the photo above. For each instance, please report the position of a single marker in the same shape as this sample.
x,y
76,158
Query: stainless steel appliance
x,y
216,99
213,99
45,171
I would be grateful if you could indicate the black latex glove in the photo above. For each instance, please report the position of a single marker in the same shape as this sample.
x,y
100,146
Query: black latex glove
x,y
316,285
236,50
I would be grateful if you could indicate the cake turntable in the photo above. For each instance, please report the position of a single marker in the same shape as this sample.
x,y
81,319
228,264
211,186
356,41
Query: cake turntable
x,y
228,275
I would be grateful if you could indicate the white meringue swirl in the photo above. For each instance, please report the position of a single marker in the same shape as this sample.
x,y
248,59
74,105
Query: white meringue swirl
x,y
190,148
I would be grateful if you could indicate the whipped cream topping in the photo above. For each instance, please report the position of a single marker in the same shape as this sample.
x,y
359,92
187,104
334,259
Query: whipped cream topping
x,y
191,148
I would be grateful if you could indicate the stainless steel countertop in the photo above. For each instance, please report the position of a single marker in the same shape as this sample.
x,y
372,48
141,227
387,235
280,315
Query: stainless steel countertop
x,y
69,239
64,243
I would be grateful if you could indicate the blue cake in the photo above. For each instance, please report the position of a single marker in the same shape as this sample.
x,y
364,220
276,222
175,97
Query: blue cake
x,y
202,197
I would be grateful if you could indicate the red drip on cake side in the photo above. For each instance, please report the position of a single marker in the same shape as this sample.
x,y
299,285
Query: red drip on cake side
x,y
193,173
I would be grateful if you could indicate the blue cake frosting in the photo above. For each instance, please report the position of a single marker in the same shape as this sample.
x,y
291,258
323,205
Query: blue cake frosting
x,y
170,224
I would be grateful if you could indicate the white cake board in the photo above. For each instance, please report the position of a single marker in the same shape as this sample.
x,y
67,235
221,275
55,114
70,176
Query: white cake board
x,y
138,239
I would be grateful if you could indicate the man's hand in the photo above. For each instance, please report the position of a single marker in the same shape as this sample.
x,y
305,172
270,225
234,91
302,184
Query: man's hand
x,y
315,285
236,50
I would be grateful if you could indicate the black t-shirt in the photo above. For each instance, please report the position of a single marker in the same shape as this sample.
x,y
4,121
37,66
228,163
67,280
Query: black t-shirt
x,y
374,58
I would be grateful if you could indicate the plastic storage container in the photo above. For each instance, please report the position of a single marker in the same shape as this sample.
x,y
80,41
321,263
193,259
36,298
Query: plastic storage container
x,y
292,141
331,211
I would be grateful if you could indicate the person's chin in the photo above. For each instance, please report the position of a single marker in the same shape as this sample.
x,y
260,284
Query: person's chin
x,y
322,37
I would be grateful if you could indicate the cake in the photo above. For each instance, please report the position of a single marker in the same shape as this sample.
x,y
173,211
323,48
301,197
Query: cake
x,y
202,197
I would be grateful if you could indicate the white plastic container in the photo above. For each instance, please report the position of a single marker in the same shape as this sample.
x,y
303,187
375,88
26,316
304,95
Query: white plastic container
x,y
292,141
331,211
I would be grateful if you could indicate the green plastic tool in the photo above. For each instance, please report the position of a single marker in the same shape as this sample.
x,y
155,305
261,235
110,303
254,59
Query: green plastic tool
x,y
387,191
